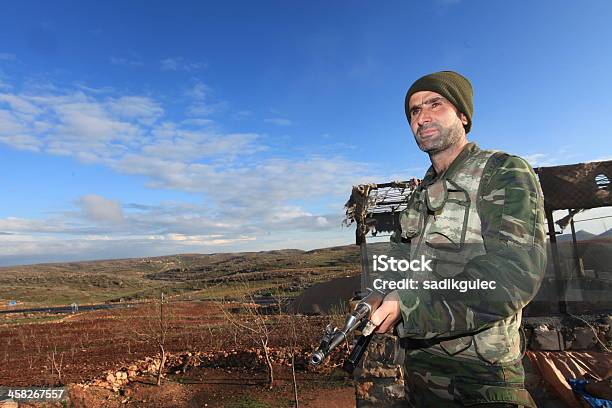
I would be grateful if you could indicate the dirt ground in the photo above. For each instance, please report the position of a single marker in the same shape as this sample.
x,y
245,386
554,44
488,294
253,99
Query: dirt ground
x,y
79,349
222,388
84,345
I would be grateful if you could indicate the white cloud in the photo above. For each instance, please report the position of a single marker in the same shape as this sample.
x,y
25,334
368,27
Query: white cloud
x,y
198,92
603,158
198,122
20,142
563,156
42,247
52,226
187,145
103,129
252,201
203,239
136,107
19,106
100,209
539,159
10,124
322,221
107,90
201,105
288,214
89,123
199,109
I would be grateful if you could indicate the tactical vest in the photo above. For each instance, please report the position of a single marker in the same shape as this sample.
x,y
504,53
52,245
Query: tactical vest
x,y
442,223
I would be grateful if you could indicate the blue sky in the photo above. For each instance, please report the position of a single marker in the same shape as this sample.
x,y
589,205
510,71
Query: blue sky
x,y
146,128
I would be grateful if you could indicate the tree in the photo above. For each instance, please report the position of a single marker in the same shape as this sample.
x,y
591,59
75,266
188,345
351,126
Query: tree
x,y
154,329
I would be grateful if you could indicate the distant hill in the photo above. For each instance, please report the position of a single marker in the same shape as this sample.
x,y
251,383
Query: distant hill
x,y
607,234
581,235
188,276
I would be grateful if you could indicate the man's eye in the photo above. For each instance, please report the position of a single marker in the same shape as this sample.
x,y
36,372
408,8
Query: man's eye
x,y
435,104
414,112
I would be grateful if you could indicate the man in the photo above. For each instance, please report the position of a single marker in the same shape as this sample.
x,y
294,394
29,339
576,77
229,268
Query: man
x,y
479,216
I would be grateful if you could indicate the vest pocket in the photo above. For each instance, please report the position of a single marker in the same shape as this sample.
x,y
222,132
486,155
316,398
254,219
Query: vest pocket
x,y
449,225
446,233
500,344
412,219
456,346
481,384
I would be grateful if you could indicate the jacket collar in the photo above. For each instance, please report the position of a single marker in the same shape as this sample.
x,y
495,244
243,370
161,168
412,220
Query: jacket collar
x,y
468,150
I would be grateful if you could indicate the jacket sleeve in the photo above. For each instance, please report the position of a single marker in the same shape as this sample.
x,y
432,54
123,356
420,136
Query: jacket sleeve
x,y
510,207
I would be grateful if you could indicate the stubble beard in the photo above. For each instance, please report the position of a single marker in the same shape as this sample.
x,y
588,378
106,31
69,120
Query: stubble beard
x,y
446,138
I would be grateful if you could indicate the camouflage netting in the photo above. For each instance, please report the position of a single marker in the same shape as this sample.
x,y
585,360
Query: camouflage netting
x,y
583,185
376,207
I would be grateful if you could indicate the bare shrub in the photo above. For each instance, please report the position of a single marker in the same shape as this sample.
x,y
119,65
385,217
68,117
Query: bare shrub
x,y
153,329
253,323
56,363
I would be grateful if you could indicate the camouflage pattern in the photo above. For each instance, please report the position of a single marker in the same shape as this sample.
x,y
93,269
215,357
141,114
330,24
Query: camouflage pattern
x,y
437,381
380,381
482,219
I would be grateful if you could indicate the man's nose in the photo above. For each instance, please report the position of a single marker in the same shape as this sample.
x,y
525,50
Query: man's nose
x,y
423,117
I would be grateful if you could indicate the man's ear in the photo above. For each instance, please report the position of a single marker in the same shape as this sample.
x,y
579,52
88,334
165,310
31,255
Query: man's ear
x,y
463,118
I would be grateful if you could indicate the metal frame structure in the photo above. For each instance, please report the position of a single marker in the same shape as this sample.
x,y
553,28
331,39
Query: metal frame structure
x,y
574,187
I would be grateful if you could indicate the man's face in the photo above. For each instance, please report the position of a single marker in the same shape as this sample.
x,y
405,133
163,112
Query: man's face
x,y
435,122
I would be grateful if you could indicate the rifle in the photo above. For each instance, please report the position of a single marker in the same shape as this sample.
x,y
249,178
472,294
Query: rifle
x,y
358,318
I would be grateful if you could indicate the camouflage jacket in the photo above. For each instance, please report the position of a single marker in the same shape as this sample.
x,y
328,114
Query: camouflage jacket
x,y
482,219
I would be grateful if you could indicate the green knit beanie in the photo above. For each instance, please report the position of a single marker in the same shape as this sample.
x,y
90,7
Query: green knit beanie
x,y
454,87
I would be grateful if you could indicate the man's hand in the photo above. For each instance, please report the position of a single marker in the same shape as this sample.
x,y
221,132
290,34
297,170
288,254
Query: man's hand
x,y
388,314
